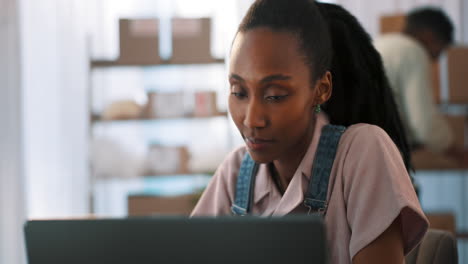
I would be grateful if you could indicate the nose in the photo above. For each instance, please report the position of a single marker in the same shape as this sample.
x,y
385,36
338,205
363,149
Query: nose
x,y
254,115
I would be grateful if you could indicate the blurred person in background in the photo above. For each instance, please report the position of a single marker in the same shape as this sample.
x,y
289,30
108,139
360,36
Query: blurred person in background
x,y
407,58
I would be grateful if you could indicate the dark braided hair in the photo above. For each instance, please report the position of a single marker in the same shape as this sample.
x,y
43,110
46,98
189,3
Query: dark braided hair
x,y
332,40
361,90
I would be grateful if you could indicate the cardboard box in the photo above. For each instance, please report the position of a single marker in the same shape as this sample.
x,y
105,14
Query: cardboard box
x,y
424,159
191,39
392,23
205,104
458,125
146,205
454,75
164,160
165,105
442,221
139,41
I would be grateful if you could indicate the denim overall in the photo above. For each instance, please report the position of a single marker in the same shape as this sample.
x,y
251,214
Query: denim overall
x,y
316,196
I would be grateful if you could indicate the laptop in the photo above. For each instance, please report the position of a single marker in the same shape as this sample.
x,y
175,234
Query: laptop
x,y
291,239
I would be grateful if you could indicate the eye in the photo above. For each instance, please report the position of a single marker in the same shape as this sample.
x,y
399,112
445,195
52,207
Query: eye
x,y
275,93
238,92
276,98
239,95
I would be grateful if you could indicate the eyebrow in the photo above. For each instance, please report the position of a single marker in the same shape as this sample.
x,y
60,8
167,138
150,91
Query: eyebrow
x,y
270,78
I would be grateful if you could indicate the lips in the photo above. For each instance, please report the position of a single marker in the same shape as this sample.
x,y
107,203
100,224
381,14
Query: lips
x,y
257,144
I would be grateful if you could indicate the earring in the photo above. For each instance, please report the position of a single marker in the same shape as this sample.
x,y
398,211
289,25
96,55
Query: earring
x,y
318,109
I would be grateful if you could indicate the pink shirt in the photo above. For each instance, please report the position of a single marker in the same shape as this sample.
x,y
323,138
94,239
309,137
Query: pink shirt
x,y
369,188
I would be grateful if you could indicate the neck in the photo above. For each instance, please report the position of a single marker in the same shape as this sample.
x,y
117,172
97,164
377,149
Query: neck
x,y
287,165
418,37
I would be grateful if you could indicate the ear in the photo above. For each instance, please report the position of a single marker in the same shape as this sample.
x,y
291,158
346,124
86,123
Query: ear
x,y
323,88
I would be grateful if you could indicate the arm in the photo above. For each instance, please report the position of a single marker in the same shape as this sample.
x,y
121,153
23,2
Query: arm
x,y
379,197
425,122
387,248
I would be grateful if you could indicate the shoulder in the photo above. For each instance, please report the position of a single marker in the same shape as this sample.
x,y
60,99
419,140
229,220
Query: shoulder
x,y
369,149
234,158
394,41
219,194
230,166
365,136
399,46
357,130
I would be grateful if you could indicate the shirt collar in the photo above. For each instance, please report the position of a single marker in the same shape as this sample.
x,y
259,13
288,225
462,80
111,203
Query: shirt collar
x,y
300,180
263,183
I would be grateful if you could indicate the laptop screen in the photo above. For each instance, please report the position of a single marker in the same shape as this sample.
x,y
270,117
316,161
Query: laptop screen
x,y
292,239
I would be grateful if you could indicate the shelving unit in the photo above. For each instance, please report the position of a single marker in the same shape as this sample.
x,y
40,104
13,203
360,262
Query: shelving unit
x,y
195,126
96,119
199,134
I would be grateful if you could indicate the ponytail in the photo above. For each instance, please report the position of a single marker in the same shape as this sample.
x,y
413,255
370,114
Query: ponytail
x,y
361,91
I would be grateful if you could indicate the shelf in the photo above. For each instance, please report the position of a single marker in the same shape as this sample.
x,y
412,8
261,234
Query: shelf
x,y
164,119
116,63
179,125
213,132
172,185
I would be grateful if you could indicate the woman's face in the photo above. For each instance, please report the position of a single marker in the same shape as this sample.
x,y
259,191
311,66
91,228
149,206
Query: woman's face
x,y
271,95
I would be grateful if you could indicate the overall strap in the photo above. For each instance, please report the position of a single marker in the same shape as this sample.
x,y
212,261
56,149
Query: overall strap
x,y
316,196
245,186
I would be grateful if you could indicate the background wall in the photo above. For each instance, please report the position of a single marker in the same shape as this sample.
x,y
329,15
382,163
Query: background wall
x,y
12,206
368,12
44,129
54,80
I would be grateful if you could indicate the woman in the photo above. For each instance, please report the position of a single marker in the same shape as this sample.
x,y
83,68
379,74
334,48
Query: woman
x,y
287,87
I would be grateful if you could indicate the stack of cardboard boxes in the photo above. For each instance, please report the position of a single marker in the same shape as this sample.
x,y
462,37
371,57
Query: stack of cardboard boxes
x,y
139,41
